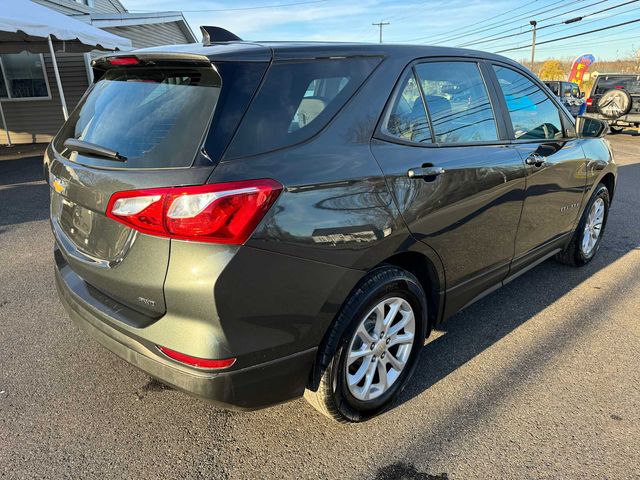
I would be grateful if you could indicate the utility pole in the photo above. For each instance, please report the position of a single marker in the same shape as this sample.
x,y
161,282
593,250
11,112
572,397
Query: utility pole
x,y
380,24
533,24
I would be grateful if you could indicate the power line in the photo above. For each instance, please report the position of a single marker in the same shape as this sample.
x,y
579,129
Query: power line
x,y
465,27
573,36
489,37
595,42
519,18
512,21
588,44
279,5
492,38
526,4
578,25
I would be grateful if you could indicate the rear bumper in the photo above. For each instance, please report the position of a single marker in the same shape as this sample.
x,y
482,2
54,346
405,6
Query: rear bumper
x,y
246,388
630,119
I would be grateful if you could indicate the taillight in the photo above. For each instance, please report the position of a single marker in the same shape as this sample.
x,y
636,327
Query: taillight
x,y
219,213
196,361
589,101
123,60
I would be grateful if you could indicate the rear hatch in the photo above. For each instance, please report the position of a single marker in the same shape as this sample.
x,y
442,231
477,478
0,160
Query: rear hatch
x,y
156,112
604,83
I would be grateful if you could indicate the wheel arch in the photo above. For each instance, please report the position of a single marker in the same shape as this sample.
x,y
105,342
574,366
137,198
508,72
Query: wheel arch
x,y
427,274
609,181
430,275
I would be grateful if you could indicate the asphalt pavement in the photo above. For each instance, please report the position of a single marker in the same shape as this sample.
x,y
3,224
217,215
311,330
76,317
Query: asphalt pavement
x,y
540,380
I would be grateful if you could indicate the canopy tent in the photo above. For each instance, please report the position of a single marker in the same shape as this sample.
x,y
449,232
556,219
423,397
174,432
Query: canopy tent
x,y
25,25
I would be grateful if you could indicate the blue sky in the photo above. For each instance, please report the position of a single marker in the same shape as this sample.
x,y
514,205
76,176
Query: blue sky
x,y
452,22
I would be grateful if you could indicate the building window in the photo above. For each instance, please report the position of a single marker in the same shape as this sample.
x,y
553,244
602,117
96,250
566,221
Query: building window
x,y
23,76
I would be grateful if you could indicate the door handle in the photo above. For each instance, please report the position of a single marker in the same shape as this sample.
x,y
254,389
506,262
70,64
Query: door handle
x,y
422,172
536,160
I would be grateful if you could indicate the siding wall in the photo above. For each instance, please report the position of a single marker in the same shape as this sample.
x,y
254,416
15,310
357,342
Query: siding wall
x,y
67,7
150,35
70,7
36,121
107,6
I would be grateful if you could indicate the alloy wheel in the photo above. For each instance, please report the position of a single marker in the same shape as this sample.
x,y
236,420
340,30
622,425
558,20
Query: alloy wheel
x,y
380,348
593,227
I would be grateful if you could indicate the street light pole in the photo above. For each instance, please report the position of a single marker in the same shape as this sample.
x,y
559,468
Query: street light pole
x,y
533,24
380,24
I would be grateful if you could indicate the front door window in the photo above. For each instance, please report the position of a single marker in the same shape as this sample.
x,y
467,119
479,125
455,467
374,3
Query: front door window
x,y
533,115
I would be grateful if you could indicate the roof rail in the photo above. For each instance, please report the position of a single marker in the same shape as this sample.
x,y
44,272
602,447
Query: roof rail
x,y
212,34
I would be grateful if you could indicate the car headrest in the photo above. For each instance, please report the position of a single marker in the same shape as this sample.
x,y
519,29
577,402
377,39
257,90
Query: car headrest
x,y
418,108
439,107
309,109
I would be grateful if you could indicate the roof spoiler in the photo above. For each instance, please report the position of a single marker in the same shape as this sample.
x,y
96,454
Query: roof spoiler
x,y
216,34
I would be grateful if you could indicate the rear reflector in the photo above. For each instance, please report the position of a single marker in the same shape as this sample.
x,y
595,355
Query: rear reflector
x,y
195,361
123,60
589,101
218,213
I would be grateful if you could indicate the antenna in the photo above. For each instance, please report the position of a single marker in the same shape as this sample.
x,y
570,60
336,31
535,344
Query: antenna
x,y
216,34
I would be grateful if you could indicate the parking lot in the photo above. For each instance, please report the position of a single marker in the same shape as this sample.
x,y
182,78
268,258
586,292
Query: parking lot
x,y
538,380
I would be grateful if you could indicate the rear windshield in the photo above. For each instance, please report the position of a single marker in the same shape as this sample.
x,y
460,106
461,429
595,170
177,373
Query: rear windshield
x,y
156,117
630,83
296,101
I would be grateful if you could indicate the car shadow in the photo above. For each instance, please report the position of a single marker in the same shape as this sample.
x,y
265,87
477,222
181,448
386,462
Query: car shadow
x,y
24,196
470,332
629,132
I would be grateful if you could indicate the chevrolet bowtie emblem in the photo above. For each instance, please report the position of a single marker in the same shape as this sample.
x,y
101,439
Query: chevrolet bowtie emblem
x,y
58,184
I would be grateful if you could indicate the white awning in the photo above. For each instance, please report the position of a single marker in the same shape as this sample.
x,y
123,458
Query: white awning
x,y
25,25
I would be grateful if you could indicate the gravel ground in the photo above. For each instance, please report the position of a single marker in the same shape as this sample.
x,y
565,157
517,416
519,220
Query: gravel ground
x,y
538,380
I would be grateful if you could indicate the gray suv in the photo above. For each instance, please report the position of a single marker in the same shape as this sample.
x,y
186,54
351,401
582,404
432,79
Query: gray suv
x,y
251,222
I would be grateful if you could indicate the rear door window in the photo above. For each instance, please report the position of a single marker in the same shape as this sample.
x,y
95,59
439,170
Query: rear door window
x,y
407,118
296,100
155,117
457,101
318,95
533,115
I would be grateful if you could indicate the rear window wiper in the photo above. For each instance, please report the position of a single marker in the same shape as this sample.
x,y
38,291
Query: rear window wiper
x,y
92,149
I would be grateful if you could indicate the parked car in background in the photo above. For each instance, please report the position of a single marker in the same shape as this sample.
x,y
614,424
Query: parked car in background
x,y
570,95
615,98
251,222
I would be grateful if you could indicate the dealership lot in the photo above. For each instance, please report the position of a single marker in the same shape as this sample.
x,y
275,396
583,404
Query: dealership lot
x,y
539,380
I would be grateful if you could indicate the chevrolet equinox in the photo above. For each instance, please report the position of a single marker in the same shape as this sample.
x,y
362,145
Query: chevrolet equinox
x,y
253,222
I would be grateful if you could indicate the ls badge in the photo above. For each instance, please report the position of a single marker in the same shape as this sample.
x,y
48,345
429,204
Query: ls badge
x,y
569,207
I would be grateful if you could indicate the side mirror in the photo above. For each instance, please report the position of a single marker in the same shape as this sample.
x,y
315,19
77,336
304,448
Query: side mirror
x,y
588,127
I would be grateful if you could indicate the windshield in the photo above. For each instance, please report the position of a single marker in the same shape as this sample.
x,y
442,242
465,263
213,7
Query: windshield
x,y
155,117
630,83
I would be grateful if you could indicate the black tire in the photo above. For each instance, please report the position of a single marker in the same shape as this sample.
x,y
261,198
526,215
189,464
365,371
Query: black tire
x,y
616,130
573,254
332,398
